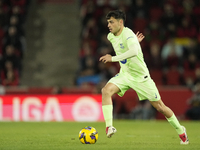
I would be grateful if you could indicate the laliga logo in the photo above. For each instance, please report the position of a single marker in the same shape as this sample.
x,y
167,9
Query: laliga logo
x,y
86,109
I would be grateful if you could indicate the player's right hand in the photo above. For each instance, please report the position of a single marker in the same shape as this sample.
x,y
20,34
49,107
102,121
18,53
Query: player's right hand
x,y
106,58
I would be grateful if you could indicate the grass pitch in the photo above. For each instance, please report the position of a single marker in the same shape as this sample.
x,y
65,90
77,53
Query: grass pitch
x,y
131,134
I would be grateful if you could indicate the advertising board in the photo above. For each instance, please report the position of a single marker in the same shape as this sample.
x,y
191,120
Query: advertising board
x,y
51,108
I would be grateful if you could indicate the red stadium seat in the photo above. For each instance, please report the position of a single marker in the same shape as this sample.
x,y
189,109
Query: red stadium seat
x,y
139,24
157,76
155,13
189,74
173,77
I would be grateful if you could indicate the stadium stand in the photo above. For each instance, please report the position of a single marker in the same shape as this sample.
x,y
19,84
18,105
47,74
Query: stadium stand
x,y
12,40
159,20
171,30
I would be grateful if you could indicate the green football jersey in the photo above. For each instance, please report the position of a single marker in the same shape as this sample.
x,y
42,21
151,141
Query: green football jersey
x,y
133,67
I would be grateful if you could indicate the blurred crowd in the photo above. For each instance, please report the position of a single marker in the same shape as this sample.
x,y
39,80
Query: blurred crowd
x,y
171,46
193,112
12,40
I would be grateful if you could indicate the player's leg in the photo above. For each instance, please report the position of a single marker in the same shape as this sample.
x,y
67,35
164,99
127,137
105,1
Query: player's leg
x,y
107,91
117,84
168,113
107,106
148,90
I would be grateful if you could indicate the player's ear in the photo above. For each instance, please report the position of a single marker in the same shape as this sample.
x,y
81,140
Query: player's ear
x,y
121,21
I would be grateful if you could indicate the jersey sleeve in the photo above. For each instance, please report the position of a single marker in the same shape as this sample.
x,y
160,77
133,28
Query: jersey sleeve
x,y
128,54
132,49
130,38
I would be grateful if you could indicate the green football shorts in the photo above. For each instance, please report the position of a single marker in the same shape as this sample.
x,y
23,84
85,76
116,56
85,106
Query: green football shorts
x,y
145,90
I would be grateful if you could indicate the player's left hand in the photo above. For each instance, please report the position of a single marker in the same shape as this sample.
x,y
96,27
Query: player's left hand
x,y
140,36
106,58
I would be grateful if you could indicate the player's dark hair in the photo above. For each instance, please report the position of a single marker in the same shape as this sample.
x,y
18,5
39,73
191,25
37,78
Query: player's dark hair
x,y
117,14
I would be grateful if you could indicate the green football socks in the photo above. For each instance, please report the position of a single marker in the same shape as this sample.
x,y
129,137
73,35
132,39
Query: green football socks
x,y
108,114
175,123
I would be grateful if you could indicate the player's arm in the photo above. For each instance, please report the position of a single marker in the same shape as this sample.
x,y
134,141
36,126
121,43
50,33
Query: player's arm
x,y
140,36
132,45
131,52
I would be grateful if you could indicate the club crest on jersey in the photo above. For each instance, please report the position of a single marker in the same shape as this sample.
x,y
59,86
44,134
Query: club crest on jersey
x,y
121,46
123,61
116,75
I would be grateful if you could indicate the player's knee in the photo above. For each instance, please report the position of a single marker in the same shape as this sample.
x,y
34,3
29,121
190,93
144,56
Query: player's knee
x,y
106,91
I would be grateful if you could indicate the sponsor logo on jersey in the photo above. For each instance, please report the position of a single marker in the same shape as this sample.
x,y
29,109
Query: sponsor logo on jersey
x,y
123,61
121,46
155,95
129,37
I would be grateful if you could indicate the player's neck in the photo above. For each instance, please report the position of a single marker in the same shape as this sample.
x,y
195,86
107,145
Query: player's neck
x,y
120,31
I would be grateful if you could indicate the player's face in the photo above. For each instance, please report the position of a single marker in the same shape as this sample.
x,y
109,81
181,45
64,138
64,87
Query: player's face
x,y
115,25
